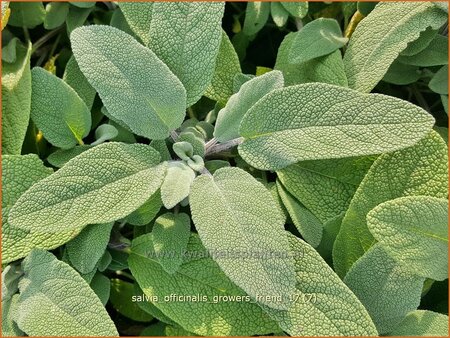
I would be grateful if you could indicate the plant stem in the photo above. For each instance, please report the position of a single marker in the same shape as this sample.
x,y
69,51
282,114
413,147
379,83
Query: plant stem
x,y
44,39
217,148
174,135
298,23
205,171
26,33
55,44
191,113
210,143
419,97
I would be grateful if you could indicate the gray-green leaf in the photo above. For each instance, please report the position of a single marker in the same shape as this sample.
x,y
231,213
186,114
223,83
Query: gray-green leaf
x,y
327,69
321,121
139,18
418,170
86,250
170,238
317,38
177,184
235,215
103,184
382,35
227,66
439,82
298,9
279,14
25,14
19,173
147,211
230,117
385,288
150,103
422,323
122,294
256,15
16,100
325,186
323,304
186,37
75,79
304,220
61,156
436,54
413,230
55,14
105,132
201,277
57,110
75,310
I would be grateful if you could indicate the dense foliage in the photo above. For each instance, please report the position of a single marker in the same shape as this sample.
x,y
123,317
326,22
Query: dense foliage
x,y
207,168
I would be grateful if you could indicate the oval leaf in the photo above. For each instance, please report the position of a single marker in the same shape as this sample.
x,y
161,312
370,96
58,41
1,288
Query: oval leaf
x,y
385,288
170,238
57,110
186,36
236,215
135,86
297,123
200,277
422,323
177,184
229,118
318,38
78,310
323,304
16,100
101,185
19,173
418,170
413,230
382,35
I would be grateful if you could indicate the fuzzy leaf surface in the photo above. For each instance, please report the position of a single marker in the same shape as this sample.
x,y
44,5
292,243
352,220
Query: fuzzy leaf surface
x,y
152,103
16,100
86,250
256,15
294,124
382,35
418,170
233,205
298,9
170,238
57,110
230,117
19,173
56,300
325,187
186,37
103,184
422,323
413,230
177,184
304,220
227,66
385,288
75,79
317,38
336,310
327,69
198,274
139,18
